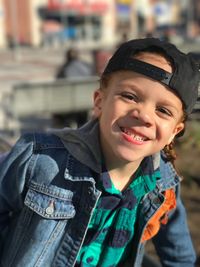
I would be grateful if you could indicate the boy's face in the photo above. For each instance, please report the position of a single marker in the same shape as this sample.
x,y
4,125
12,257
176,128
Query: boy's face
x,y
138,115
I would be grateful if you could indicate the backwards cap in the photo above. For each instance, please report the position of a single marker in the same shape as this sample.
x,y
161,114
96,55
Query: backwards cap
x,y
184,79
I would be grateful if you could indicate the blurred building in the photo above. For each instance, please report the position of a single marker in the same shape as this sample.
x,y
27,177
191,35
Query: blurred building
x,y
2,25
94,22
33,22
21,23
91,21
52,22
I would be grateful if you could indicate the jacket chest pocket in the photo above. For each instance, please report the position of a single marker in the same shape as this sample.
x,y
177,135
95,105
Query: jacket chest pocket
x,y
47,212
40,226
50,202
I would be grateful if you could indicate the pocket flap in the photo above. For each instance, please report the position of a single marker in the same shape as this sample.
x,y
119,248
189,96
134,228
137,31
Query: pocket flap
x,y
49,206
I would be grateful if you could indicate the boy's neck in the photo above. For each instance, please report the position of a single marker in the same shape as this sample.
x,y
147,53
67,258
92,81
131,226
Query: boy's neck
x,y
122,176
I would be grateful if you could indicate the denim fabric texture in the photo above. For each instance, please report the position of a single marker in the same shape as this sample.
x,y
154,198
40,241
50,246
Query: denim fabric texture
x,y
47,198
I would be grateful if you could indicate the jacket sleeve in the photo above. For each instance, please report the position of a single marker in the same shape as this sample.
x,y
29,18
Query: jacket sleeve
x,y
12,180
173,242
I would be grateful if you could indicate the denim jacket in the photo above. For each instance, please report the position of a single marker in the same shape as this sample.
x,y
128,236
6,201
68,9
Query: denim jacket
x,y
47,198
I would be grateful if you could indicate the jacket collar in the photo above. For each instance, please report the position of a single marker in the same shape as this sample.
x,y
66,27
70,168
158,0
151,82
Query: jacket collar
x,y
84,146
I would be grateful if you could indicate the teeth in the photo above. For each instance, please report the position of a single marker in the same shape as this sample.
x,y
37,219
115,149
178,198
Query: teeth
x,y
138,138
135,137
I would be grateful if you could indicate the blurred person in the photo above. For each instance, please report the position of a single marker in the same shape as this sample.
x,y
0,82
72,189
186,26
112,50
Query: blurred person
x,y
163,18
195,20
190,20
145,17
74,67
94,196
124,38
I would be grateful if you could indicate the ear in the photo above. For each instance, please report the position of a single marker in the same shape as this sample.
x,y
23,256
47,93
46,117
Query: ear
x,y
97,101
179,127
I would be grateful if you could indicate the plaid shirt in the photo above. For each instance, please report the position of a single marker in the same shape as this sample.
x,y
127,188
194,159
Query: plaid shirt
x,y
111,229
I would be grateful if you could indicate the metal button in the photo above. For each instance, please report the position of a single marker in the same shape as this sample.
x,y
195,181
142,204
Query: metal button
x,y
50,209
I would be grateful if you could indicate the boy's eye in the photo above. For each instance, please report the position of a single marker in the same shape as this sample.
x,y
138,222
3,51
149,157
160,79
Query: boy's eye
x,y
129,96
165,111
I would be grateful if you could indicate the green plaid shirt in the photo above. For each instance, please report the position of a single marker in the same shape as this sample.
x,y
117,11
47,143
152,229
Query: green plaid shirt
x,y
111,229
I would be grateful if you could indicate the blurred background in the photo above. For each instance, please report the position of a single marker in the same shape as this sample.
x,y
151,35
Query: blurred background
x,y
53,51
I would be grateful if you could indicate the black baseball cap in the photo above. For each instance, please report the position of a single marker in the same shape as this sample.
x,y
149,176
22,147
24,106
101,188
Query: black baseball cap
x,y
184,79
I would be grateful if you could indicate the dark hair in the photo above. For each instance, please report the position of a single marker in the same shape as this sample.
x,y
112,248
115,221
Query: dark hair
x,y
169,150
104,80
158,51
71,54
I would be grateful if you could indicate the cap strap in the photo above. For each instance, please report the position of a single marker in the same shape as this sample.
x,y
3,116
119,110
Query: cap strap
x,y
148,70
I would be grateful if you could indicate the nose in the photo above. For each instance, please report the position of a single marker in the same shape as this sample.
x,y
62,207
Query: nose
x,y
144,115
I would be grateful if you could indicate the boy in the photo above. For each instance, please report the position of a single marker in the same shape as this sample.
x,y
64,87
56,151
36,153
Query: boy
x,y
94,196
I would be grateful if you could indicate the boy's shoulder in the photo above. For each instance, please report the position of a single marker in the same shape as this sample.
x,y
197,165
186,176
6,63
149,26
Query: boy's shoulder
x,y
169,175
41,140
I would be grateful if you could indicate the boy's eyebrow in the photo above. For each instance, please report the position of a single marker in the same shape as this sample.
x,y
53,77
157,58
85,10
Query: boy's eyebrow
x,y
131,85
169,103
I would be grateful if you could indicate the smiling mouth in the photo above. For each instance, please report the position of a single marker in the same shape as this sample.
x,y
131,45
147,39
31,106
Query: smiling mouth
x,y
133,135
